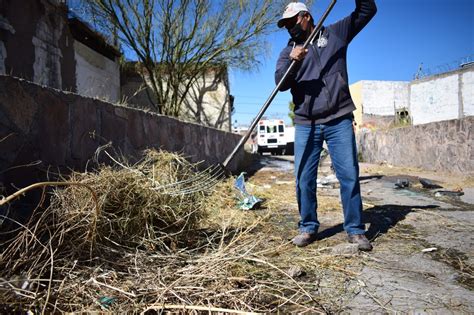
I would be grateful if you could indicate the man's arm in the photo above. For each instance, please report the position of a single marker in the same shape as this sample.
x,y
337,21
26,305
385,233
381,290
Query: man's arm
x,y
350,26
283,63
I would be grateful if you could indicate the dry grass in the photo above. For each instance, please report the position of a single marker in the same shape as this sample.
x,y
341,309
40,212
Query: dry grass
x,y
138,248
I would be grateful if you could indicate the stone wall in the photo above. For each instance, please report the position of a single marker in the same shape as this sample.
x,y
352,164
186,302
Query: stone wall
x,y
35,42
442,146
53,131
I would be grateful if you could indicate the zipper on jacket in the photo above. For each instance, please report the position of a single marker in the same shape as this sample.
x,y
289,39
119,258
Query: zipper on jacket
x,y
322,79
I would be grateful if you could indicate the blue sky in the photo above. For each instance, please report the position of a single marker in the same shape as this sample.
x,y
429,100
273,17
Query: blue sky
x,y
403,34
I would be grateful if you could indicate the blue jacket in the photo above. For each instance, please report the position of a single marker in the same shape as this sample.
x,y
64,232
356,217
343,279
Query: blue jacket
x,y
319,83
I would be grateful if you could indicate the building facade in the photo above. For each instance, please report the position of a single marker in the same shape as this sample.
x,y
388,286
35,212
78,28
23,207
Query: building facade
x,y
41,41
208,101
441,97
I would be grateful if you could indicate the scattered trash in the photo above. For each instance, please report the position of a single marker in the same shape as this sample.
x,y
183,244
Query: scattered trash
x,y
428,250
402,183
329,180
450,193
106,301
246,200
426,183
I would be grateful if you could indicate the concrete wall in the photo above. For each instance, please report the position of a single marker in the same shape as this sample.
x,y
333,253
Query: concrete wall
x,y
383,97
441,97
377,101
208,102
37,44
96,75
467,96
435,99
442,146
63,130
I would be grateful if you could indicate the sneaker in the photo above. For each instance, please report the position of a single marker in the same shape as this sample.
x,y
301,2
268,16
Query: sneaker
x,y
304,239
361,240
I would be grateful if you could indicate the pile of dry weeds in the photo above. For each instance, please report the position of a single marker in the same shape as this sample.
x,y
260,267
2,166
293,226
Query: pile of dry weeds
x,y
117,240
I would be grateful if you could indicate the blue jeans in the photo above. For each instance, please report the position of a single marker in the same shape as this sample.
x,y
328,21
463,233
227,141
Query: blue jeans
x,y
340,139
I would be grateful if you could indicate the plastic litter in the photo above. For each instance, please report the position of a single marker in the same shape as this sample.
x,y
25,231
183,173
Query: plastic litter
x,y
328,181
426,183
449,193
246,201
402,183
106,301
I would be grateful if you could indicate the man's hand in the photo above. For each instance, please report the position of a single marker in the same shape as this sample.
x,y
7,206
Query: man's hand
x,y
298,53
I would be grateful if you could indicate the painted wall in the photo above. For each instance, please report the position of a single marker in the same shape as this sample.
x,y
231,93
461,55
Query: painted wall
x,y
62,131
96,75
209,101
356,94
377,101
467,88
434,99
441,97
384,97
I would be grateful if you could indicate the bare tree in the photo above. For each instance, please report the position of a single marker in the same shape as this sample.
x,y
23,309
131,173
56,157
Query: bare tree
x,y
176,41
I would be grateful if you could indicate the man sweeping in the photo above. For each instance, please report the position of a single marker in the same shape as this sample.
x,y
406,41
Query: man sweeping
x,y
323,113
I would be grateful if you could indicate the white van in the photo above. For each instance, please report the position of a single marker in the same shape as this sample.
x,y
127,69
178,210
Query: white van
x,y
271,136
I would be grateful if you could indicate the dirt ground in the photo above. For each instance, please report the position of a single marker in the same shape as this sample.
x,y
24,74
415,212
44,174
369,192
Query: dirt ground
x,y
423,256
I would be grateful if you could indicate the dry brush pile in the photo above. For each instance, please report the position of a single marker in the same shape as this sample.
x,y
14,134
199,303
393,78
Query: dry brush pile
x,y
118,240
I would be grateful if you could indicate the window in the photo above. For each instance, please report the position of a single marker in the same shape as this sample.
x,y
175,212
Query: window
x,y
271,129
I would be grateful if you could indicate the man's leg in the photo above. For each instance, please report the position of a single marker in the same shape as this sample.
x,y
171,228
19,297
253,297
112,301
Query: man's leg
x,y
340,138
308,146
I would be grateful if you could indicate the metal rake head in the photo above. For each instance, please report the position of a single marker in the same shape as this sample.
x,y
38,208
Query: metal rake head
x,y
200,182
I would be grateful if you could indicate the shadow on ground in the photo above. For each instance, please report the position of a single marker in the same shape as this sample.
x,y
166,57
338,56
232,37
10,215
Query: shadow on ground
x,y
381,219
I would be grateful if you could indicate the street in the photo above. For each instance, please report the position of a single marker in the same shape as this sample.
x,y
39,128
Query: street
x,y
423,243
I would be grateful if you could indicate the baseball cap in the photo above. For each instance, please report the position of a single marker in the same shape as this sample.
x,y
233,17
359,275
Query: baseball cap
x,y
291,10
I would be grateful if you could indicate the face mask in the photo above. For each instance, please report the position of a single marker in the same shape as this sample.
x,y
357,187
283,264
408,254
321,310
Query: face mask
x,y
297,33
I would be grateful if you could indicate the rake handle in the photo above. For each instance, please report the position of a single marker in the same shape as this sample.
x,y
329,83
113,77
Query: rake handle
x,y
277,87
